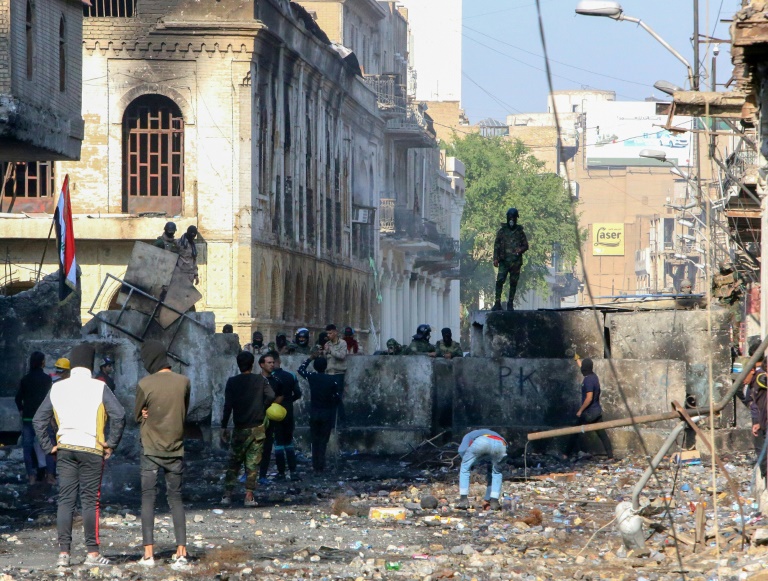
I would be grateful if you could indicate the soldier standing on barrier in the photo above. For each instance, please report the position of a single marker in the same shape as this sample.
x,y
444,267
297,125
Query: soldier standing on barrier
x,y
508,250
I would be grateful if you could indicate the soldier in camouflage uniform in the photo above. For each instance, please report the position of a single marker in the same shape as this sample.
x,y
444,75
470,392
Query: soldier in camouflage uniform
x,y
448,348
168,241
393,347
508,250
302,342
420,344
727,288
247,397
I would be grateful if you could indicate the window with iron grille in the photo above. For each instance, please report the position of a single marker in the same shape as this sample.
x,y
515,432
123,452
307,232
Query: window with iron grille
x,y
110,9
27,186
153,154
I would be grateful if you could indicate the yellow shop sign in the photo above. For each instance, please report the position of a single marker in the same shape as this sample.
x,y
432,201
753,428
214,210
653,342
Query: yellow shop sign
x,y
607,239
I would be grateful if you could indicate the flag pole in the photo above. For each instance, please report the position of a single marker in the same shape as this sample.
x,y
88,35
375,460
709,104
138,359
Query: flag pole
x,y
45,249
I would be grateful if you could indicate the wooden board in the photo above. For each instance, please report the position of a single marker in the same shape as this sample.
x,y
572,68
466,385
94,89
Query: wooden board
x,y
150,270
181,295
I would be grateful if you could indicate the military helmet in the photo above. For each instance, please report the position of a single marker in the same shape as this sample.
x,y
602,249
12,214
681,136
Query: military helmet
x,y
170,227
423,331
512,213
302,336
392,343
685,283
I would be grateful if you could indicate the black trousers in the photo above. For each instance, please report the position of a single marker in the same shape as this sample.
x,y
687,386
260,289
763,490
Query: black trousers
x,y
573,441
174,471
284,444
79,474
321,426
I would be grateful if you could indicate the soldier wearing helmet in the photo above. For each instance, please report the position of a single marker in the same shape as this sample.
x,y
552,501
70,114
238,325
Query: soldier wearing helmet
x,y
393,347
508,249
168,241
685,287
301,342
420,344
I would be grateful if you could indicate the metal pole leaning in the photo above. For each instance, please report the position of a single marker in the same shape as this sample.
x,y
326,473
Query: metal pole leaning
x,y
636,420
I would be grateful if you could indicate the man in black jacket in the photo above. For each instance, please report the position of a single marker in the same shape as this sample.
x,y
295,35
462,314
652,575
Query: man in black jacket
x,y
247,397
287,385
325,396
33,388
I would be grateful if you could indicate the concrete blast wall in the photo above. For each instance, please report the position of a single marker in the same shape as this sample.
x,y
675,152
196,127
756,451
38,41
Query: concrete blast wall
x,y
683,336
537,334
33,314
391,402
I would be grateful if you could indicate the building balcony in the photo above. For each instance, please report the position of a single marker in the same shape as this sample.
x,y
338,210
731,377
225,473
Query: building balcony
x,y
412,129
391,96
403,229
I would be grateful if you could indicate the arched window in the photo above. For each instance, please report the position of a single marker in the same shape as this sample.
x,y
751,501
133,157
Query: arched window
x,y
153,156
30,39
62,55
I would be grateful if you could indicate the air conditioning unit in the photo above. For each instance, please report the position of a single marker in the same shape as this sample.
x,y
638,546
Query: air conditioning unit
x,y
362,215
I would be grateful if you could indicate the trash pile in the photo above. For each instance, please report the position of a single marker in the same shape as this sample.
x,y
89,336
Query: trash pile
x,y
388,518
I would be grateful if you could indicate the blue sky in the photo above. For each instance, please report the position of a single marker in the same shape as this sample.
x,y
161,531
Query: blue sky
x,y
503,63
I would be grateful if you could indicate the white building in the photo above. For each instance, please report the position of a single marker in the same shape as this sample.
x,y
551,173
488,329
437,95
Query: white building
x,y
435,53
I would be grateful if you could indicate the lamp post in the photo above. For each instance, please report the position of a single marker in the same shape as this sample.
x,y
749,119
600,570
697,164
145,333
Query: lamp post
x,y
614,10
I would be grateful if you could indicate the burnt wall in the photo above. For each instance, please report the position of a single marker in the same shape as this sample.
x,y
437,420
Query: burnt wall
x,y
537,334
33,314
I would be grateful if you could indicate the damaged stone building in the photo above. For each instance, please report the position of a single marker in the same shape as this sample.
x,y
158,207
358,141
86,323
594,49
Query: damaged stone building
x,y
40,98
422,190
244,119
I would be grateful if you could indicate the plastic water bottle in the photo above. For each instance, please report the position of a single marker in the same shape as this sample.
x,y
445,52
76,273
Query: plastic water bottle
x,y
508,504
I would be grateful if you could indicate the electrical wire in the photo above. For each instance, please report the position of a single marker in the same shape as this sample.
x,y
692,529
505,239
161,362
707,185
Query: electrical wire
x,y
558,62
620,389
542,70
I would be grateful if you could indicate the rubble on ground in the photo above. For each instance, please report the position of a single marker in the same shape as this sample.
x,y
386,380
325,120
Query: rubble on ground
x,y
556,523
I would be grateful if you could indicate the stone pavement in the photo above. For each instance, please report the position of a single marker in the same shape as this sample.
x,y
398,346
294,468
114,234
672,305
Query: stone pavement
x,y
319,528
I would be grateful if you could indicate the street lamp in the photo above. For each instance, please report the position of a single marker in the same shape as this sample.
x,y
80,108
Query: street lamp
x,y
656,154
667,87
661,156
614,10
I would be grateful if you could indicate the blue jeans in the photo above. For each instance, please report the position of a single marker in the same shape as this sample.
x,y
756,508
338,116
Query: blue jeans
x,y
33,454
483,449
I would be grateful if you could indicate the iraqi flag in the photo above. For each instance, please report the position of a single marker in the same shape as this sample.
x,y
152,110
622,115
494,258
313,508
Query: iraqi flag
x,y
65,241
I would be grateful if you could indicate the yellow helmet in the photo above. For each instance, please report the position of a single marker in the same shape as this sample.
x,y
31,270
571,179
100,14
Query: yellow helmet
x,y
62,363
276,412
